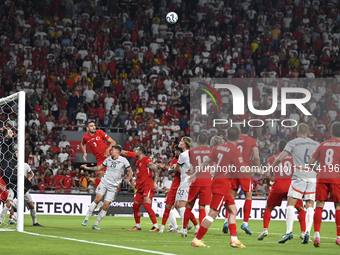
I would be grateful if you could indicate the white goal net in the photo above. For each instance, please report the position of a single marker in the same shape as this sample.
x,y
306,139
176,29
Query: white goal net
x,y
13,184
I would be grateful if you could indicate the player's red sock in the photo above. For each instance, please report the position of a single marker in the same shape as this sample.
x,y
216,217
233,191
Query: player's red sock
x,y
192,218
136,212
246,210
97,181
10,215
302,220
202,215
187,216
201,232
232,229
165,216
337,222
266,218
317,219
151,213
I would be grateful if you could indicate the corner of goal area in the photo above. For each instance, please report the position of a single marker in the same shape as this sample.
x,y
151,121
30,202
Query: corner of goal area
x,y
101,244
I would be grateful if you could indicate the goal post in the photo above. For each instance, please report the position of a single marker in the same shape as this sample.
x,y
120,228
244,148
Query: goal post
x,y
21,159
12,116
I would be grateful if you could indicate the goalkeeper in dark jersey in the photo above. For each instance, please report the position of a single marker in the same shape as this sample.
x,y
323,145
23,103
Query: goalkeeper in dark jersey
x,y
9,162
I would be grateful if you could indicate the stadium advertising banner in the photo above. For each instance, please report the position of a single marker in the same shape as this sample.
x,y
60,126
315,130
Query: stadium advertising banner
x,y
258,207
53,204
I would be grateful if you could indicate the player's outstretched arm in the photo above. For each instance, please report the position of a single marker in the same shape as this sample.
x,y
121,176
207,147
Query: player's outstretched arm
x,y
112,143
313,164
83,148
154,168
278,161
93,168
127,180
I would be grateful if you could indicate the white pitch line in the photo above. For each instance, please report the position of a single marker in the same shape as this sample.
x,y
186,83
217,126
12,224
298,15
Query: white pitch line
x,y
102,244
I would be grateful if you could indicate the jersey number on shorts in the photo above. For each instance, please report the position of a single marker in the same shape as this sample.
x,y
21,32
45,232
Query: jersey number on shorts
x,y
181,192
329,157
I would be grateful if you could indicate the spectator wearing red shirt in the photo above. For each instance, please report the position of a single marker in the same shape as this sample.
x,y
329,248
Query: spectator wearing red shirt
x,y
92,111
134,99
101,114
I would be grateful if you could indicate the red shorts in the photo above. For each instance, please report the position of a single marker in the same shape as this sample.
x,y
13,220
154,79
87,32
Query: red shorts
x,y
99,162
141,193
275,199
170,197
204,193
327,192
3,196
246,184
218,201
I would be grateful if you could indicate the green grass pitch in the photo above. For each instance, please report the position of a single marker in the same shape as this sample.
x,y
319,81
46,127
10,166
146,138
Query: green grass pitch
x,y
114,231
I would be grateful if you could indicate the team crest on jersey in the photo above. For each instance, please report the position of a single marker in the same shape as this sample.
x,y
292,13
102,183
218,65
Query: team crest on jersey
x,y
114,164
97,138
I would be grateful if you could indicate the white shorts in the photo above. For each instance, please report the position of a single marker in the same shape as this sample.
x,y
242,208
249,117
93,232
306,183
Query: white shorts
x,y
301,189
28,198
109,193
10,195
182,192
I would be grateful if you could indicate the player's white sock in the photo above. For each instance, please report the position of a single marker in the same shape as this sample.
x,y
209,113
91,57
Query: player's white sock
x,y
245,223
33,215
309,218
316,234
91,208
172,219
101,215
155,225
162,227
3,213
138,225
290,219
181,212
234,238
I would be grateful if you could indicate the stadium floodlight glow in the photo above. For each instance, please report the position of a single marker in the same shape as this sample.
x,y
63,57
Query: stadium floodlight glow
x,y
239,102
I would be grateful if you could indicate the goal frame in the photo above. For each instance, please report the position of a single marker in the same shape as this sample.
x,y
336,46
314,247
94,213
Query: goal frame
x,y
21,96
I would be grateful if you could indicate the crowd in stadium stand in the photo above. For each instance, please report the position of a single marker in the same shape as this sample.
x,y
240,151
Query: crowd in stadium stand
x,y
122,65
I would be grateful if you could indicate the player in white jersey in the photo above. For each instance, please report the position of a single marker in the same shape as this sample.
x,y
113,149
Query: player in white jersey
x,y
184,167
108,186
303,181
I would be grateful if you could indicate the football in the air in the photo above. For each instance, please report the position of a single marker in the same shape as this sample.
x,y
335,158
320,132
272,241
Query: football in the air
x,y
172,17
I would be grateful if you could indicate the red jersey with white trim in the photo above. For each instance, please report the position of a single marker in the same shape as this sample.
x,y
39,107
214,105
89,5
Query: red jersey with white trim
x,y
227,157
67,181
143,173
177,178
283,174
246,144
97,143
197,156
328,154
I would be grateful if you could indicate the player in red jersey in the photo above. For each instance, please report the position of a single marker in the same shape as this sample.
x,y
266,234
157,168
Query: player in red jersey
x,y
249,149
170,198
67,181
227,157
145,186
282,179
202,186
3,191
96,139
328,180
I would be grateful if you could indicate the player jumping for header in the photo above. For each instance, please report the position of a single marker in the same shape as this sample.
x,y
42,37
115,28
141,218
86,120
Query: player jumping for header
x,y
108,186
